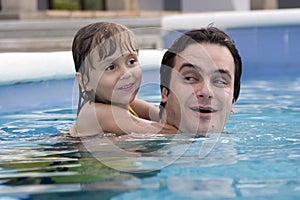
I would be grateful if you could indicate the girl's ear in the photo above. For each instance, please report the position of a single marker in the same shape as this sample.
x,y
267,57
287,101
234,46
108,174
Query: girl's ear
x,y
79,79
164,94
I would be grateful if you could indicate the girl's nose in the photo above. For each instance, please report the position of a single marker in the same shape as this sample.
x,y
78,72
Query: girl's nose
x,y
125,72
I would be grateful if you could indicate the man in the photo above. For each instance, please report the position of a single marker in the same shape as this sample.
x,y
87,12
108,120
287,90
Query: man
x,y
200,81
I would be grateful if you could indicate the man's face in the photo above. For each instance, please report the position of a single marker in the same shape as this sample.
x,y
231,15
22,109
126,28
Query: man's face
x,y
201,89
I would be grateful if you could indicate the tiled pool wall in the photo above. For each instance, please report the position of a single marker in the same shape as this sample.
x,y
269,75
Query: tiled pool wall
x,y
269,45
265,51
269,50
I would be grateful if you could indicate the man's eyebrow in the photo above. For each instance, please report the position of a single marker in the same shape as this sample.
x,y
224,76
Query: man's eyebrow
x,y
218,71
189,65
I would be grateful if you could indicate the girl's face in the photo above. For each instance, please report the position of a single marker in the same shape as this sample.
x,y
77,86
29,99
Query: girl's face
x,y
116,79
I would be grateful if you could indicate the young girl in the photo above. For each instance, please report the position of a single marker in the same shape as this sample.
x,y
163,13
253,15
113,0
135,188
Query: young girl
x,y
109,76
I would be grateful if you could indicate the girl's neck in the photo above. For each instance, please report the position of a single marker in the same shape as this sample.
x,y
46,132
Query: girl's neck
x,y
124,106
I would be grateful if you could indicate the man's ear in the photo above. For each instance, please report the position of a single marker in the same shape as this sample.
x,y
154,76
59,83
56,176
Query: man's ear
x,y
232,106
79,79
164,94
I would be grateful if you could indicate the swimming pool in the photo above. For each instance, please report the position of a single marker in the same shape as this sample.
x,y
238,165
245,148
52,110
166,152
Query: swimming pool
x,y
258,158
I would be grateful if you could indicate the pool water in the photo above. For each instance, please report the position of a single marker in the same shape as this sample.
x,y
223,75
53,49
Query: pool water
x,y
258,158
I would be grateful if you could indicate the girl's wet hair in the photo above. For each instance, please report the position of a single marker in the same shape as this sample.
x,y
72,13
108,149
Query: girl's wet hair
x,y
104,38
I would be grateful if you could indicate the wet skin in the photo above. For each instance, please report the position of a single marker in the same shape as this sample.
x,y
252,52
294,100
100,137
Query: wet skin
x,y
201,89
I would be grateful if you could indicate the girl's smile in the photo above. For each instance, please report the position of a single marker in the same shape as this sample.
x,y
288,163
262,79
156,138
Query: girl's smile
x,y
118,83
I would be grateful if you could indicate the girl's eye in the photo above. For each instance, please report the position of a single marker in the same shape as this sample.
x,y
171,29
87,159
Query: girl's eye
x,y
110,67
131,61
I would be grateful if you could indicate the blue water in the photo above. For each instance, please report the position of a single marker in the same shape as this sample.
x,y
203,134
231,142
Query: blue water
x,y
259,158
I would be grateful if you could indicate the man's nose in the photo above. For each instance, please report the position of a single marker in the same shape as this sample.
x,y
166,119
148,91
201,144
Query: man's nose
x,y
203,90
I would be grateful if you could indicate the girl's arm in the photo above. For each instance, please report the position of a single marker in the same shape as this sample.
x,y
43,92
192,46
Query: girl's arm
x,y
145,110
96,118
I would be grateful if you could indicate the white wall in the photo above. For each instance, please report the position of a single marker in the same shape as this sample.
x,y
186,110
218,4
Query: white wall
x,y
197,5
227,19
241,4
214,5
19,5
156,5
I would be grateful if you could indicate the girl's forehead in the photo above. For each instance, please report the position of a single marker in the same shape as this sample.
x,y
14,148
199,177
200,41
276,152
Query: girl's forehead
x,y
116,45
95,57
112,48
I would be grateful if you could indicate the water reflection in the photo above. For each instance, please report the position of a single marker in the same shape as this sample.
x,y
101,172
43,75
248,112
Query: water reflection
x,y
58,164
59,167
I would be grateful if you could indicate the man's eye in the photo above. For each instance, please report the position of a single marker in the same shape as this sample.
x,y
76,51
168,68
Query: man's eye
x,y
190,79
220,83
110,68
